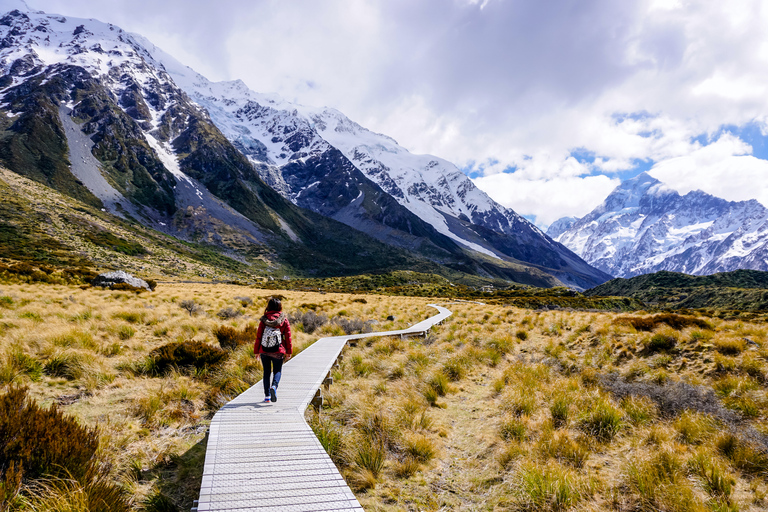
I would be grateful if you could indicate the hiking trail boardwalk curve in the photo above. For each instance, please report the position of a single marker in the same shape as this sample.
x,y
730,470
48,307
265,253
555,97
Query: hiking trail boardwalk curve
x,y
264,456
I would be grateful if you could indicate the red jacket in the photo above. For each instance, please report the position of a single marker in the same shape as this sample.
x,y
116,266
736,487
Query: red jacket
x,y
272,317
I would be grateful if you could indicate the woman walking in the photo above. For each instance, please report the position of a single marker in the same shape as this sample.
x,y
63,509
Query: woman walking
x,y
273,344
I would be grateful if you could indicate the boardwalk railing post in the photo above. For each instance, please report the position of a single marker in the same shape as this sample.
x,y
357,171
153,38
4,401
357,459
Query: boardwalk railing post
x,y
328,381
317,401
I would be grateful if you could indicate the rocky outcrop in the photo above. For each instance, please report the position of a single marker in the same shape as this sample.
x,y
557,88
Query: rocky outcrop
x,y
110,279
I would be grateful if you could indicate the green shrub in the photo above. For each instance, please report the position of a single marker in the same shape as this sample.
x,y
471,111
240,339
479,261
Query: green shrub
x,y
69,365
549,488
660,342
371,455
125,332
36,443
560,409
186,354
420,448
439,383
743,454
17,363
230,338
330,436
649,323
521,335
513,428
603,421
640,409
132,317
456,367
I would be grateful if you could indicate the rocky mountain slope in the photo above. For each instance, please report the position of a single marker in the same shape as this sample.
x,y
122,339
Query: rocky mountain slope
x,y
96,113
644,227
321,160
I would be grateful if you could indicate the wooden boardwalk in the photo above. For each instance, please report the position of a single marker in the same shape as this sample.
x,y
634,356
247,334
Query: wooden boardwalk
x,y
264,456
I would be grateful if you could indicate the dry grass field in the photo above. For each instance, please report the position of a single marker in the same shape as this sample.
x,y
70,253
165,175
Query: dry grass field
x,y
498,409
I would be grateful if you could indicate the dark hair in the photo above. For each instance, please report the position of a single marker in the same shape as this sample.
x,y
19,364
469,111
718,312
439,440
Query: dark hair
x,y
274,304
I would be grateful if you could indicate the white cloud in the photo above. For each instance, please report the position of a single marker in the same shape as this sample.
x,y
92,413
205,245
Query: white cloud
x,y
548,200
724,169
494,84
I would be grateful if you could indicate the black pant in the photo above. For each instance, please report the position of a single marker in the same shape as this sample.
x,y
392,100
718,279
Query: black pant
x,y
271,365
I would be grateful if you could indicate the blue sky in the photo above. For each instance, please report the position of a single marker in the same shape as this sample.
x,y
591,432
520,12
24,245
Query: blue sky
x,y
546,105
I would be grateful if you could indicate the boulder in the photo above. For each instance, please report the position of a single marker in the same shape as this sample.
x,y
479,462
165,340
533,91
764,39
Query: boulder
x,y
111,278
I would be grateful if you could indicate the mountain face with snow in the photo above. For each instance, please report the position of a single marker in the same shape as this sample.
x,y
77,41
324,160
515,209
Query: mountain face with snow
x,y
644,226
300,151
106,117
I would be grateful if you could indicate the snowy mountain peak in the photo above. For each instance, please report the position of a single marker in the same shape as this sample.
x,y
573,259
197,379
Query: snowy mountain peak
x,y
644,226
136,98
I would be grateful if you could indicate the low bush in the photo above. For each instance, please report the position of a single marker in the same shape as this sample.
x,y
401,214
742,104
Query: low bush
x,y
513,428
560,409
603,421
37,443
69,365
660,342
330,435
16,363
191,307
547,488
352,326
307,321
566,450
671,398
659,483
228,313
245,301
649,323
730,347
186,354
230,338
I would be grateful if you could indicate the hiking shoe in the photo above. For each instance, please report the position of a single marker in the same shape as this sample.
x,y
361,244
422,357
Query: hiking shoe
x,y
267,399
272,394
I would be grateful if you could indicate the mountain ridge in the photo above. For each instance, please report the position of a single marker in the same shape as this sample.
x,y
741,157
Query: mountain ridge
x,y
157,154
643,226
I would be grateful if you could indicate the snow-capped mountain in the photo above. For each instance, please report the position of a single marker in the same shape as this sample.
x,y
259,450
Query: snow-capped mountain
x,y
290,145
108,118
644,226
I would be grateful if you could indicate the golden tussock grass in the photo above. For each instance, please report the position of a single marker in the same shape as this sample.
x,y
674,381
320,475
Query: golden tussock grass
x,y
498,409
